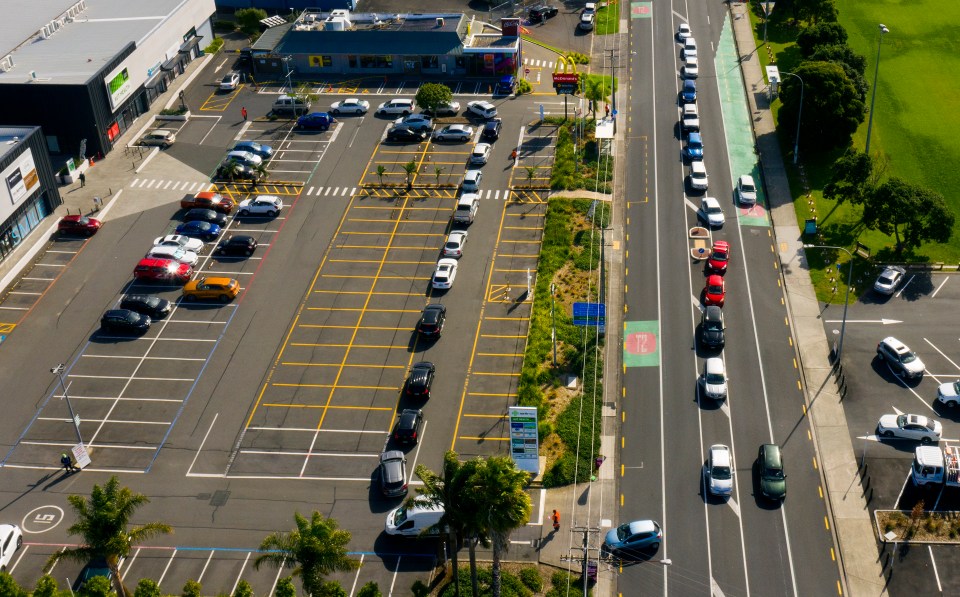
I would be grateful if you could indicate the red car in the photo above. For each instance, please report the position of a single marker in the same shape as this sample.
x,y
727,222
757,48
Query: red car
x,y
79,225
719,257
162,270
715,291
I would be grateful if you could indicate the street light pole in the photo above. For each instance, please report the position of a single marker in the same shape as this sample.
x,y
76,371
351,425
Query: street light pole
x,y
873,95
796,140
58,371
846,298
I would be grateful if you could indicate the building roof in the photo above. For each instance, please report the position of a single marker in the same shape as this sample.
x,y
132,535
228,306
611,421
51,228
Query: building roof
x,y
372,33
11,137
270,38
78,49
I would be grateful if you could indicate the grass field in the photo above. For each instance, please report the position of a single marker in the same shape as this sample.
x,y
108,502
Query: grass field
x,y
608,18
915,124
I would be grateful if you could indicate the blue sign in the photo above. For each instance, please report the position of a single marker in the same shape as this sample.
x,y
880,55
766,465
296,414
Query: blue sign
x,y
590,314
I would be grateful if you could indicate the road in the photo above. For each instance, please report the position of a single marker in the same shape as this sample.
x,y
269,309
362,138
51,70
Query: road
x,y
744,544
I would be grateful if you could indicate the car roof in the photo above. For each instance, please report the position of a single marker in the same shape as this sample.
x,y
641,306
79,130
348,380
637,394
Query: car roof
x,y
694,136
642,526
711,201
715,279
720,454
698,166
771,455
117,313
720,245
240,239
895,344
215,280
746,179
713,313
714,365
423,365
391,455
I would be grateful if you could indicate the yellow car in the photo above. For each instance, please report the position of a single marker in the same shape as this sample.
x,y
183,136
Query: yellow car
x,y
222,289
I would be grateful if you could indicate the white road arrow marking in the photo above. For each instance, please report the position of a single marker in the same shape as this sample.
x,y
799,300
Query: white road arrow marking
x,y
715,588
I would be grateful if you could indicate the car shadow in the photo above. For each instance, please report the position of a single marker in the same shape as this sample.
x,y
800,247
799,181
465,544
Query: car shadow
x,y
881,368
102,336
907,446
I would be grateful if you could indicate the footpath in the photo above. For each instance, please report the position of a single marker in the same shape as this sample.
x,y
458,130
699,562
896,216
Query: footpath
x,y
860,569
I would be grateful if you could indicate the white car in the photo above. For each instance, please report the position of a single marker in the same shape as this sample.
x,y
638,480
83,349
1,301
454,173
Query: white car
x,y
698,176
268,205
586,21
397,106
350,106
454,132
949,394
471,181
713,382
448,108
901,360
230,82
690,118
481,108
915,427
480,153
746,190
683,32
889,279
11,538
691,67
445,274
455,242
711,212
178,240
689,47
719,471
178,254
245,157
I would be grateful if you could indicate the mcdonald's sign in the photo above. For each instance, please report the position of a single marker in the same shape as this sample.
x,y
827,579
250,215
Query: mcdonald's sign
x,y
566,79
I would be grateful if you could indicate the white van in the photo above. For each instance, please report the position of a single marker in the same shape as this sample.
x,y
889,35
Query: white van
x,y
290,105
411,522
467,207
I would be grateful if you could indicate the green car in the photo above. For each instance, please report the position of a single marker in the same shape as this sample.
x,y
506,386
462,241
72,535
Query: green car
x,y
773,483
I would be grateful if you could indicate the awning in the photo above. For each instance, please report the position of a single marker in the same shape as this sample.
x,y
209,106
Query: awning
x,y
190,44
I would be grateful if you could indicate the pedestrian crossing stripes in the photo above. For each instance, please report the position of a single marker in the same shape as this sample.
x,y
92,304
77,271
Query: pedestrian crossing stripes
x,y
539,63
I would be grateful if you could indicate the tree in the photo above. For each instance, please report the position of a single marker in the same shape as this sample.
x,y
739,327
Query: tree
x,y
437,171
851,178
305,94
822,34
46,587
102,525
243,589
249,19
410,168
911,213
531,174
831,109
431,96
381,170
147,587
853,65
9,587
285,588
98,586
498,495
315,548
447,490
597,88
815,11
371,589
192,588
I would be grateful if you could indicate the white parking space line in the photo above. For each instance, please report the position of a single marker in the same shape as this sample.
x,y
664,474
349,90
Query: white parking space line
x,y
74,375
121,421
314,429
233,591
124,399
949,360
23,552
126,565
934,295
912,391
115,356
167,567
302,453
210,557
908,284
936,574
89,445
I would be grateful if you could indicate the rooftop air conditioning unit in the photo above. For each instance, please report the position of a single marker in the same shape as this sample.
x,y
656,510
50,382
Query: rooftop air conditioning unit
x,y
7,63
439,21
334,24
340,13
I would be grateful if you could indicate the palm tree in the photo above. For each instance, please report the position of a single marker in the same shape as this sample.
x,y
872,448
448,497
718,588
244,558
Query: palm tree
x,y
381,170
437,171
410,167
315,548
102,525
596,89
531,173
497,494
448,489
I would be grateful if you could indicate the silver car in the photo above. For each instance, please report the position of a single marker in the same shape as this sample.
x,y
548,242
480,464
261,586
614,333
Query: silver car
x,y
889,279
454,132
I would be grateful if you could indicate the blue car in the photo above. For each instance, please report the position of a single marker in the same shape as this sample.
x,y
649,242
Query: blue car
x,y
639,534
506,84
315,120
689,91
265,152
199,229
694,148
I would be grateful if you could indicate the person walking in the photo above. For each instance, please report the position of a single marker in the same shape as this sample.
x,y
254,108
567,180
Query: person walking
x,y
83,180
556,521
243,112
67,463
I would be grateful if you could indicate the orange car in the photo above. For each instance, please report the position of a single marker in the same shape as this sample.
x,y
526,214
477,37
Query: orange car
x,y
221,289
208,200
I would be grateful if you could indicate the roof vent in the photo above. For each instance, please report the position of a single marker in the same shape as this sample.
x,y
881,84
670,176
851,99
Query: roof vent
x,y
439,21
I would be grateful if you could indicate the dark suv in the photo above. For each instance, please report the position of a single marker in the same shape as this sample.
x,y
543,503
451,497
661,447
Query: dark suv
x,y
711,327
542,13
393,474
407,429
491,129
420,379
431,321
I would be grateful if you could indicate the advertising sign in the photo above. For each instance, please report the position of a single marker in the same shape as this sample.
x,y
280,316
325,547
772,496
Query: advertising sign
x,y
21,179
118,85
524,438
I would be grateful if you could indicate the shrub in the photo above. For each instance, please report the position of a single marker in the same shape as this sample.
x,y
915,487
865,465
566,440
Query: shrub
x,y
532,579
371,589
224,25
98,586
243,589
578,58
47,587
249,19
9,587
332,588
524,86
192,589
147,587
285,588
419,589
214,46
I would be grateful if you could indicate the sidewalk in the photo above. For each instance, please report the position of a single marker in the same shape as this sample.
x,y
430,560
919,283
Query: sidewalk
x,y
105,179
860,570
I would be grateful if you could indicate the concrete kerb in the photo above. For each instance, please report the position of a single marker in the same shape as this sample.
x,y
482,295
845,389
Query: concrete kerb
x,y
860,571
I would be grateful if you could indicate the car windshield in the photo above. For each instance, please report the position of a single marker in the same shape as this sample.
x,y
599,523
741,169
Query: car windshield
x,y
714,289
719,255
712,325
623,531
714,209
886,279
721,473
131,317
452,244
400,517
908,357
775,473
715,378
151,301
748,188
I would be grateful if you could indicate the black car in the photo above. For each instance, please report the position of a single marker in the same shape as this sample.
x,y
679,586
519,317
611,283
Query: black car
x,y
198,214
491,129
420,380
401,132
125,320
542,13
393,473
407,429
230,170
431,321
711,327
146,304
237,245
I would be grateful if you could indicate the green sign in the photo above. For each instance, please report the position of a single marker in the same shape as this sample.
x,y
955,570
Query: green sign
x,y
117,82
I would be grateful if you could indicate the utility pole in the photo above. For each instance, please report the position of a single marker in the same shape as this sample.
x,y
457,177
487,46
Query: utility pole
x,y
584,556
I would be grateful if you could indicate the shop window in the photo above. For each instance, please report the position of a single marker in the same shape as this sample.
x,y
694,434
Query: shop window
x,y
352,60
371,61
430,61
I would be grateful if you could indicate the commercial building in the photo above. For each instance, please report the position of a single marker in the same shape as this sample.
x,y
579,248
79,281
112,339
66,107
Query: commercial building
x,y
435,45
83,71
29,190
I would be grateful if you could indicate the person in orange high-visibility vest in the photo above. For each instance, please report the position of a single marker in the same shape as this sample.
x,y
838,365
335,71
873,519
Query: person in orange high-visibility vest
x,y
556,520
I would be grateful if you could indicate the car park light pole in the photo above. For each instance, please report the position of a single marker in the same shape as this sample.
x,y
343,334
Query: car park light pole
x,y
873,96
846,298
796,139
58,371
